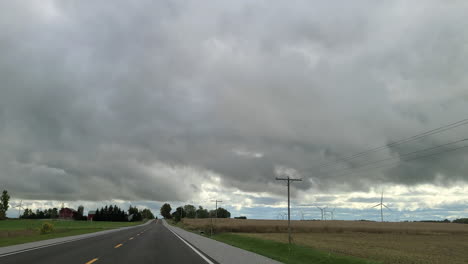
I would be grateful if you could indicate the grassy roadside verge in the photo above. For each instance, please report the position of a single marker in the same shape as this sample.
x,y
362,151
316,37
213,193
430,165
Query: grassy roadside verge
x,y
282,252
13,232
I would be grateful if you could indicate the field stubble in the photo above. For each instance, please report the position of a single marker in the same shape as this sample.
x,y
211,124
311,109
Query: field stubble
x,y
401,242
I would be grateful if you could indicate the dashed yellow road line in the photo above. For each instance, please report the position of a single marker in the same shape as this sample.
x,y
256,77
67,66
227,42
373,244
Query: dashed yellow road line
x,y
130,238
92,261
119,245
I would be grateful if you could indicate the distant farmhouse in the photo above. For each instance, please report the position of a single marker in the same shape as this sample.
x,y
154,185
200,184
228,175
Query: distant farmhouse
x,y
91,215
67,213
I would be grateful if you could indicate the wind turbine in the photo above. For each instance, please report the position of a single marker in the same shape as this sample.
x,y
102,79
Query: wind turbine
x,y
280,216
19,206
381,204
322,210
332,212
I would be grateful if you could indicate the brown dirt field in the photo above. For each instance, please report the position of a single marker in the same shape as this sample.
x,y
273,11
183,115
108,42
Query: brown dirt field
x,y
386,242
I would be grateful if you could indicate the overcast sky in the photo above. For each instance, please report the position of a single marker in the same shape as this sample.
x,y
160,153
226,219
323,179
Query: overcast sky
x,y
187,101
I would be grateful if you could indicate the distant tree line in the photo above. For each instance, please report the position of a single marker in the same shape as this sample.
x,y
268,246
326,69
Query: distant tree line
x,y
456,221
107,213
435,221
110,213
461,221
40,214
190,211
116,214
51,213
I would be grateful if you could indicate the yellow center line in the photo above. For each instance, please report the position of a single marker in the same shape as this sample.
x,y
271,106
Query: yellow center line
x,y
130,238
92,261
119,245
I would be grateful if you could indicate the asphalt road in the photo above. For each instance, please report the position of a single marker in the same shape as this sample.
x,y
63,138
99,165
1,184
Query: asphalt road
x,y
152,243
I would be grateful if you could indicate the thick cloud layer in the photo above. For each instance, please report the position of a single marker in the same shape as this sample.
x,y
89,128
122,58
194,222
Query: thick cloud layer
x,y
147,100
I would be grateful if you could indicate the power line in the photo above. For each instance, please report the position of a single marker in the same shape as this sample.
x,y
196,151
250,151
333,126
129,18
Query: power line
x,y
415,158
398,142
404,155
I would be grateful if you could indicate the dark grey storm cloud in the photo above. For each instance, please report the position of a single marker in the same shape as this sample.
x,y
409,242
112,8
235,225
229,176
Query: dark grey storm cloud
x,y
145,100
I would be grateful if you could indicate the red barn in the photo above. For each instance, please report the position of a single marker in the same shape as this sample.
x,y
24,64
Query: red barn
x,y
66,213
91,215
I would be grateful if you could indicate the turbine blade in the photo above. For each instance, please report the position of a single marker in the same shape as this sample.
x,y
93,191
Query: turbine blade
x,y
387,207
375,205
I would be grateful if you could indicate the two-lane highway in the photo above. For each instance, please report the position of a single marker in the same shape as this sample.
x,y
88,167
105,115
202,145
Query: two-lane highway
x,y
152,243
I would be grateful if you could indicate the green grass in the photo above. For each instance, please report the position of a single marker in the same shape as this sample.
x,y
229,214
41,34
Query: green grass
x,y
284,253
14,232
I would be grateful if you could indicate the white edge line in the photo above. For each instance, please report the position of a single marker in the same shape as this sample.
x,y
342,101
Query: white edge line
x,y
190,246
68,241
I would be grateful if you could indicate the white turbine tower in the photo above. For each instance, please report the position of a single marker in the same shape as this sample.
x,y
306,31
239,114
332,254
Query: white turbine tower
x,y
332,212
381,204
19,206
280,216
322,210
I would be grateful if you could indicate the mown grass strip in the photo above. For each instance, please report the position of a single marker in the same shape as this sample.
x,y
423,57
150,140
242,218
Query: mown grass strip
x,y
13,232
284,253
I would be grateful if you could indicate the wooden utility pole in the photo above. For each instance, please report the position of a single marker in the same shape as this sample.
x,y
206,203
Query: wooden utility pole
x,y
216,213
289,180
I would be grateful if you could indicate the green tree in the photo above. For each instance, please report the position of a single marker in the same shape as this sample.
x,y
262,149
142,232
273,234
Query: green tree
x,y
4,204
54,214
147,214
461,221
40,214
166,211
97,215
201,213
178,214
79,213
136,214
221,213
190,211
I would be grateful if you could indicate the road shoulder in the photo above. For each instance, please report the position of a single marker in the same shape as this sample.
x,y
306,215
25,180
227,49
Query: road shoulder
x,y
220,252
